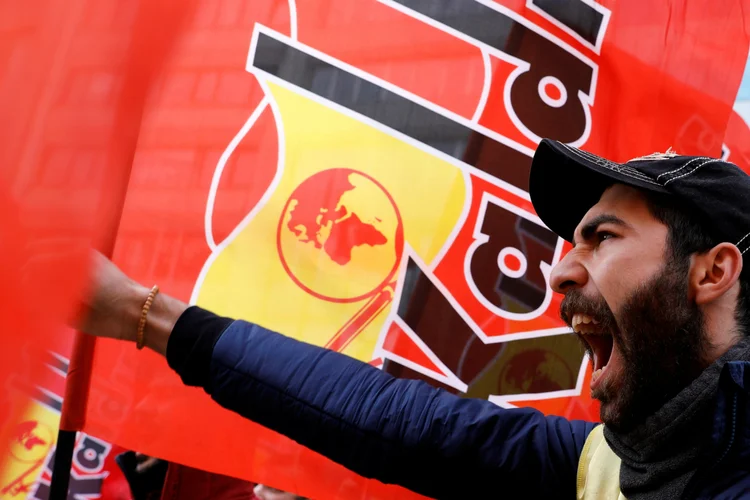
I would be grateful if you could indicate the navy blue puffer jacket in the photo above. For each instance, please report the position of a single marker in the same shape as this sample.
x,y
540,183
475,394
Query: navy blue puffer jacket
x,y
406,432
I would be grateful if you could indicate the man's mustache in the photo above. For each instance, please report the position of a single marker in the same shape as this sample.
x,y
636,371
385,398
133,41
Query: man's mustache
x,y
575,302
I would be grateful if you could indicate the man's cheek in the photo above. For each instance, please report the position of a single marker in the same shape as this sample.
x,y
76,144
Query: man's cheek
x,y
615,279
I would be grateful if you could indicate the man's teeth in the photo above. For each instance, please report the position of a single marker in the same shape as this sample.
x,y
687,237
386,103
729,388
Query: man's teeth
x,y
583,323
597,373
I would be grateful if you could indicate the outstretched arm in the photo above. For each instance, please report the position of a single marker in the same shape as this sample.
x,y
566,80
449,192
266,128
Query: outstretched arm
x,y
397,431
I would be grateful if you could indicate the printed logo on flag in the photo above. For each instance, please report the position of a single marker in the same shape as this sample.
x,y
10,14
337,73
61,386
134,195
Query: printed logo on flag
x,y
360,197
390,227
337,223
28,472
33,440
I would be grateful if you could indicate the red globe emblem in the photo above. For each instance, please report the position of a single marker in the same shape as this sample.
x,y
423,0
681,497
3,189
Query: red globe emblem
x,y
340,236
31,442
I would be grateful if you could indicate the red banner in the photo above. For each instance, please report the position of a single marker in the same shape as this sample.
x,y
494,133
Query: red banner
x,y
736,146
31,437
367,164
74,76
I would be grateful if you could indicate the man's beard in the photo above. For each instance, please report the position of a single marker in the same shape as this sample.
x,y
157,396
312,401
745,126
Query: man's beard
x,y
660,335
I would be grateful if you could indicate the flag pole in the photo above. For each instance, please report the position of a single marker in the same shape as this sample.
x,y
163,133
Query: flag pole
x,y
155,30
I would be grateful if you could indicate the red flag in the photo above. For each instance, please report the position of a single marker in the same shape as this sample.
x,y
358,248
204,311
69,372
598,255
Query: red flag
x,y
259,98
736,145
75,77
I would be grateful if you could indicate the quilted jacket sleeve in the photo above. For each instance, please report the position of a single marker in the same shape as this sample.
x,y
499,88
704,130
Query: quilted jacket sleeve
x,y
398,431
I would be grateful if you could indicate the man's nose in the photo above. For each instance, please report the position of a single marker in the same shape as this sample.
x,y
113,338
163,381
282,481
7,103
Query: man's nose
x,y
569,273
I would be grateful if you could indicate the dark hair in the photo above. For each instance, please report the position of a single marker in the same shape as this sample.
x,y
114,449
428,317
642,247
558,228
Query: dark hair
x,y
689,234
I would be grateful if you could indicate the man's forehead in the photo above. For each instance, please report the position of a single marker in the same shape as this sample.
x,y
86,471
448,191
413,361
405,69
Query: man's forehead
x,y
620,200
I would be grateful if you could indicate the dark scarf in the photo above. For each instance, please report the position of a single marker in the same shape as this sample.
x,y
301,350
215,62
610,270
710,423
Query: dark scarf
x,y
661,455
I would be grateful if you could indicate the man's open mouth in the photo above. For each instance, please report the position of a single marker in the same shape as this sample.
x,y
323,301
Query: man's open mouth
x,y
600,343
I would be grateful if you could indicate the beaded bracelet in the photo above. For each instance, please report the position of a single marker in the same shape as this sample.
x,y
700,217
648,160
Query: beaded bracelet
x,y
139,338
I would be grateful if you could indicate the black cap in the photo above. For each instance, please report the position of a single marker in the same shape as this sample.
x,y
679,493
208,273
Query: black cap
x,y
566,182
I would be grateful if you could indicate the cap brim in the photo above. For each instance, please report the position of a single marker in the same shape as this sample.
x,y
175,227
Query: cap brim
x,y
566,182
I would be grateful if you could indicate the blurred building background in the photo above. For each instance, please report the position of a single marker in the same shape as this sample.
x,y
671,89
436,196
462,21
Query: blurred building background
x,y
742,104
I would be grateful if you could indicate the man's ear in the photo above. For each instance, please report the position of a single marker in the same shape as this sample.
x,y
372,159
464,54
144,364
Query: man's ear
x,y
713,273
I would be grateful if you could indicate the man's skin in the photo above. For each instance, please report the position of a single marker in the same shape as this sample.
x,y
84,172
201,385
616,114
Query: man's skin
x,y
618,245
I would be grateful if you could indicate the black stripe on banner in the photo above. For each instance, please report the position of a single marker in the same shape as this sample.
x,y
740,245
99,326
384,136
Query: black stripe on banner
x,y
369,99
58,363
576,15
49,400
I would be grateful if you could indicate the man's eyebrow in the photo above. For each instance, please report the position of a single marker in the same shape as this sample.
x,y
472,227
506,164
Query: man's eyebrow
x,y
588,230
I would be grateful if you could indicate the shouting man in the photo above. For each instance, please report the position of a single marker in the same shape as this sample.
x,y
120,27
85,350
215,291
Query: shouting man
x,y
654,288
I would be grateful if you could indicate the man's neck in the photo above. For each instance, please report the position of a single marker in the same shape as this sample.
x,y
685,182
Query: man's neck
x,y
722,332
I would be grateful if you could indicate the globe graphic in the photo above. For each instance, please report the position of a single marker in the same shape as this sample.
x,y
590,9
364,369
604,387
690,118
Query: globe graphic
x,y
340,235
32,441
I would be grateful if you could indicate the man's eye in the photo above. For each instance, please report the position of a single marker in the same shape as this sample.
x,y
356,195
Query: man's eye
x,y
603,235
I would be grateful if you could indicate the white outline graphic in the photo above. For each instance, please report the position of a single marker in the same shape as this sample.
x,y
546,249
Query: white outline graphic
x,y
507,401
60,357
725,152
605,12
544,96
586,98
458,226
451,379
227,153
486,86
503,266
393,314
447,376
261,202
481,238
293,19
75,477
489,366
53,396
102,456
398,91
55,369
225,156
